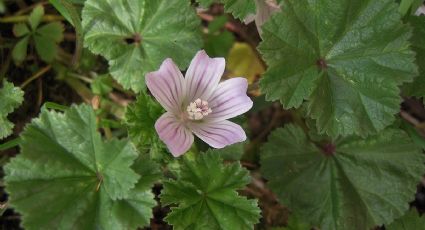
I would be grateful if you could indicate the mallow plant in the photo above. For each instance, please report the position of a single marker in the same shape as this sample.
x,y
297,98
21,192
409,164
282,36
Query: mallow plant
x,y
165,134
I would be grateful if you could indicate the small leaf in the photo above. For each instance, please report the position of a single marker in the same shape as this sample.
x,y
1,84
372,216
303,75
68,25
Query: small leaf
x,y
140,119
20,29
333,55
102,85
412,220
10,98
205,192
46,39
19,52
133,37
348,183
35,17
53,31
78,180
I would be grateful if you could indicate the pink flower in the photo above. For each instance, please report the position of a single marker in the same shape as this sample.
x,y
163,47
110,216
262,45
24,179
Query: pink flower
x,y
198,103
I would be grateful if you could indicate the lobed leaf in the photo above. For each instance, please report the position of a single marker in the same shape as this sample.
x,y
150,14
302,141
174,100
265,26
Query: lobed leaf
x,y
346,59
10,98
67,177
135,36
350,183
205,191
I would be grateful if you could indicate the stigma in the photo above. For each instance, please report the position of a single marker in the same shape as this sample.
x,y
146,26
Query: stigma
x,y
198,109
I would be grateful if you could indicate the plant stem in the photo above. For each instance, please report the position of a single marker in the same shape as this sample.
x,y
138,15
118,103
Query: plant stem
x,y
24,18
40,73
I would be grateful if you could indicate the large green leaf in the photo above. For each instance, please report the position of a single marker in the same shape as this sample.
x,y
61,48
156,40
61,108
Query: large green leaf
x,y
238,8
135,36
10,98
350,183
417,87
67,177
410,221
205,192
346,58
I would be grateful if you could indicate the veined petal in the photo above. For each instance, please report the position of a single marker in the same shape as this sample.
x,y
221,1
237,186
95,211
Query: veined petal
x,y
218,134
229,99
174,134
265,8
167,86
203,76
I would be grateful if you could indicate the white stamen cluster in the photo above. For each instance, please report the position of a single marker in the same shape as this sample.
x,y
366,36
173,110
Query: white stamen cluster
x,y
198,109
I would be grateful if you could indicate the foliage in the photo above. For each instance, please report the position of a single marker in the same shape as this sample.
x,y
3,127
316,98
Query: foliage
x,y
335,137
140,119
45,37
87,182
11,98
131,35
206,196
357,183
335,64
411,220
417,87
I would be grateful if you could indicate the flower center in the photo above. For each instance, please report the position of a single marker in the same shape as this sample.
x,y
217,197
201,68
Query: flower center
x,y
198,109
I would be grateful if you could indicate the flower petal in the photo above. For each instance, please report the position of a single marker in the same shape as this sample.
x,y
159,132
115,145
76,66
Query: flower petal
x,y
265,8
218,134
174,134
230,99
203,76
167,86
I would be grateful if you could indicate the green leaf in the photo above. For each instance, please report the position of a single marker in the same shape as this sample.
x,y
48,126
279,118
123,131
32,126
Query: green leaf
x,y
35,17
102,85
205,192
294,223
67,177
46,39
219,45
133,37
52,31
417,87
63,10
19,52
140,119
20,29
233,152
238,8
350,183
334,55
10,98
411,220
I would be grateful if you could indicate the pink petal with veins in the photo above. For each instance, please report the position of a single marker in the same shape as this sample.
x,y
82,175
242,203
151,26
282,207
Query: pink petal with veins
x,y
174,134
218,134
203,75
167,86
230,99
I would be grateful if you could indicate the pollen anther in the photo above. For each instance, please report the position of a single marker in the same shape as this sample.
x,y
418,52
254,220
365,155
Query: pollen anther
x,y
198,109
